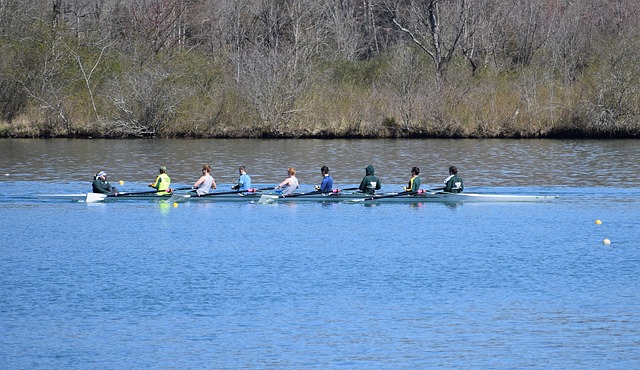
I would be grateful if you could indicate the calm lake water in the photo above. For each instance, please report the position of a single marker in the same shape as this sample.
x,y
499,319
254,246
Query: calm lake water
x,y
308,285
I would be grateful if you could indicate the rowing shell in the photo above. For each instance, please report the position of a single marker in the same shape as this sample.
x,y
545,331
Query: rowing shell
x,y
97,197
412,198
437,197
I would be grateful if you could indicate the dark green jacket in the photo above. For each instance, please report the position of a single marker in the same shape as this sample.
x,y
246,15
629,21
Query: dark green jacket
x,y
102,186
414,184
370,183
454,184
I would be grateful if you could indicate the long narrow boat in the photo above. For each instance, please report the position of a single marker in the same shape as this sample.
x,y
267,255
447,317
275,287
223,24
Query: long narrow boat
x,y
348,197
434,197
95,197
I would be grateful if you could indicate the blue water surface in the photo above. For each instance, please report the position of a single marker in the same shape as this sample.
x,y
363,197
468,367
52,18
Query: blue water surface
x,y
310,285
145,285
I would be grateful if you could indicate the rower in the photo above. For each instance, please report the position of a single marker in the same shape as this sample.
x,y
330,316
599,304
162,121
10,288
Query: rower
x,y
244,181
162,182
414,182
370,182
326,186
101,185
290,183
205,182
453,183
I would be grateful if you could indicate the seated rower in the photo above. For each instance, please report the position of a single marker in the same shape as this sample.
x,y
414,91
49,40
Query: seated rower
x,y
205,182
244,181
290,183
162,182
101,185
453,183
370,182
414,182
326,186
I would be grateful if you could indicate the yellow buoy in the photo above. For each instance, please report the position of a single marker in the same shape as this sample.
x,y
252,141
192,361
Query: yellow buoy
x,y
606,242
121,182
598,222
175,204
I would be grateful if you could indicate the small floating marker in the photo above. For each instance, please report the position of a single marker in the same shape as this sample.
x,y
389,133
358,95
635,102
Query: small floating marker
x,y
598,222
121,182
175,204
6,174
606,242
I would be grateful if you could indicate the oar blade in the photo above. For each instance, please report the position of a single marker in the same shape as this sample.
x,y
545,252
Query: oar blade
x,y
373,198
355,201
95,197
178,198
267,199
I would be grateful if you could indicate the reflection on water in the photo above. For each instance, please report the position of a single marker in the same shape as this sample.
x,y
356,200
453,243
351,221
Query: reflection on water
x,y
367,286
483,163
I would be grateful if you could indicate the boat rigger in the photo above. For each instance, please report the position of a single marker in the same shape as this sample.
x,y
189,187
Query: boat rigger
x,y
348,197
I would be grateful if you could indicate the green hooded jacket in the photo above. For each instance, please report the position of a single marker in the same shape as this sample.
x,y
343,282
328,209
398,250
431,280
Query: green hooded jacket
x,y
370,183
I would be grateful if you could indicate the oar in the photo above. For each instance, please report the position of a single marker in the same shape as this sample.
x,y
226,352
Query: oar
x,y
235,192
150,191
183,197
347,189
423,191
372,197
434,189
295,195
316,192
337,190
269,198
400,194
392,195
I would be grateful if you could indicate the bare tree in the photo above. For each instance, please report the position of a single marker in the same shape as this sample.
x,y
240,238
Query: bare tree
x,y
229,22
146,101
371,25
275,72
520,29
343,28
473,43
403,80
615,108
78,15
435,26
42,76
87,74
12,96
152,25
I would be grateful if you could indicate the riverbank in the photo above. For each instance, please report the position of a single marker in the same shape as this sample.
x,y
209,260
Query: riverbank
x,y
36,131
508,71
487,106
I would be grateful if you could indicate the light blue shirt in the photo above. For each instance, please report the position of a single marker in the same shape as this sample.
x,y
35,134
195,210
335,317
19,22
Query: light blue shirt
x,y
244,182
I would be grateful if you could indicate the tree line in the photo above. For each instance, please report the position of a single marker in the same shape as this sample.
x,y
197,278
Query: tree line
x,y
319,68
